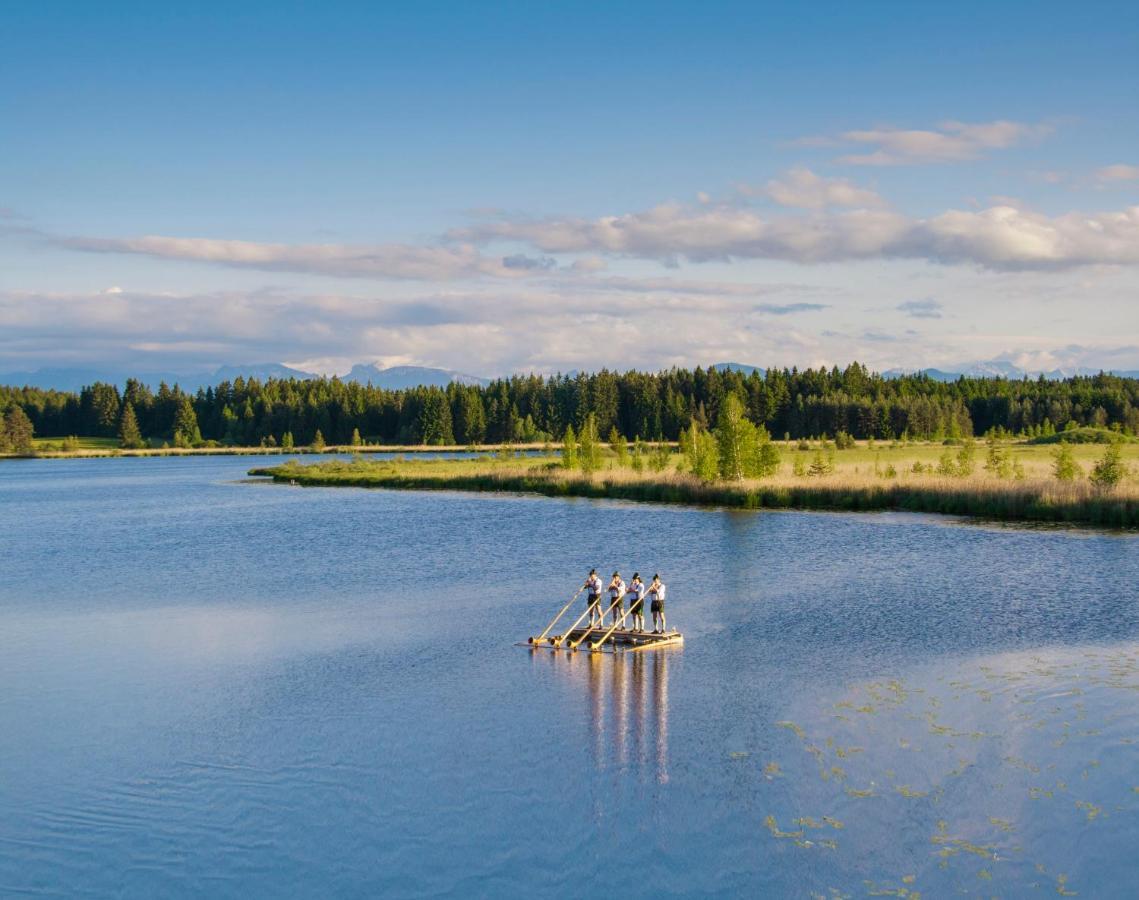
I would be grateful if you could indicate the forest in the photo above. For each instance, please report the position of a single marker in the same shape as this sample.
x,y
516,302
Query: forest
x,y
789,403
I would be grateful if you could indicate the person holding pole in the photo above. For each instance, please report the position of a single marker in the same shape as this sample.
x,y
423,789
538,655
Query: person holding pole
x,y
593,597
616,595
656,592
637,603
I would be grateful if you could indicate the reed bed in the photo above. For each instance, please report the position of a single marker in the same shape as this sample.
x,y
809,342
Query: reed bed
x,y
1032,499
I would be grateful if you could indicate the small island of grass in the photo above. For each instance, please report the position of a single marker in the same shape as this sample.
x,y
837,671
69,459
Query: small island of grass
x,y
1082,484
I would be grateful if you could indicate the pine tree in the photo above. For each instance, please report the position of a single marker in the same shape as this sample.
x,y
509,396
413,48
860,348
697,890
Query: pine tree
x,y
1064,465
17,431
186,431
660,457
619,446
639,453
357,441
433,424
318,444
287,441
569,449
130,438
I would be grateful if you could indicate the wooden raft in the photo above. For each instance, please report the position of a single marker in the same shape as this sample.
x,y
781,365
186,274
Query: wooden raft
x,y
623,637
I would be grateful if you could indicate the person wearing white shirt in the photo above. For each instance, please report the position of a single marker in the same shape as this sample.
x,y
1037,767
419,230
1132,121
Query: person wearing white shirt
x,y
657,592
616,596
637,602
593,597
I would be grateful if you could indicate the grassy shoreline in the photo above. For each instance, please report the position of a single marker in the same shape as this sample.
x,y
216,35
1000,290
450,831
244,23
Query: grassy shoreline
x,y
98,448
1035,500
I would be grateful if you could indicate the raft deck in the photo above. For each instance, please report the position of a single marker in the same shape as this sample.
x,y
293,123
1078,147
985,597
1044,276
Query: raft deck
x,y
624,638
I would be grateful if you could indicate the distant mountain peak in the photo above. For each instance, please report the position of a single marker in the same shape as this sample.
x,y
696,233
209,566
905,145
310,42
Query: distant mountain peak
x,y
397,377
738,367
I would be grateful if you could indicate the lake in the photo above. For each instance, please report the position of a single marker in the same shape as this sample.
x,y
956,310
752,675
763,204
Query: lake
x,y
218,687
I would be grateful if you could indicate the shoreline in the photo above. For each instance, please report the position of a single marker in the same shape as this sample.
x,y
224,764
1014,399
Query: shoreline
x,y
1034,501
344,450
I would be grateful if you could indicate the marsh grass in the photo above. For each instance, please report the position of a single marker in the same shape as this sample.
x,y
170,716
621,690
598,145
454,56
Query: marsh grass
x,y
853,486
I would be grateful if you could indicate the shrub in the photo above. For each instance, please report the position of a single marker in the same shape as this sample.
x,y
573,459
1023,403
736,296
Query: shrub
x,y
1109,471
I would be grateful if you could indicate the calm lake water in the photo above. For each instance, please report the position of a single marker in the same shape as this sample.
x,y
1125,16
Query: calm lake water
x,y
215,687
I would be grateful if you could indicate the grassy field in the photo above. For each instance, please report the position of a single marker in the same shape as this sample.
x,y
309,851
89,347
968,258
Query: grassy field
x,y
860,481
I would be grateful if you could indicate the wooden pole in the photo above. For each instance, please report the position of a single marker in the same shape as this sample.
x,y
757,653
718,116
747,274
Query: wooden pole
x,y
542,636
573,645
557,641
596,645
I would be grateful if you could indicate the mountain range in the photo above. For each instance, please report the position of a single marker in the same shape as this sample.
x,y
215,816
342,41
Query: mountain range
x,y
393,378
401,377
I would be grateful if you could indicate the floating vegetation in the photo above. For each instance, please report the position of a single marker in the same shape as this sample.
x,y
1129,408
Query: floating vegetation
x,y
906,791
861,794
989,739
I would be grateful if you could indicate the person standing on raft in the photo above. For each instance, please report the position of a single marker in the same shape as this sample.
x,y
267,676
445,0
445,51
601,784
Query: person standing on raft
x,y
637,603
592,587
656,592
616,595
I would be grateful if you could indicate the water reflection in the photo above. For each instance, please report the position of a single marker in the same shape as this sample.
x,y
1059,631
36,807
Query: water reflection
x,y
626,705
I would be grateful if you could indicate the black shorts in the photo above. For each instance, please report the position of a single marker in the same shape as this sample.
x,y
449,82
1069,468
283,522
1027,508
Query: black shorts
x,y
617,604
658,606
637,607
592,600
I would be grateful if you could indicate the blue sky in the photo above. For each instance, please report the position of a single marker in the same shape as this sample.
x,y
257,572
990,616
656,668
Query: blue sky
x,y
540,186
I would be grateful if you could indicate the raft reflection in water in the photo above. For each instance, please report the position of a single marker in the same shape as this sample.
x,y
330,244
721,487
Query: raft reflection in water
x,y
626,706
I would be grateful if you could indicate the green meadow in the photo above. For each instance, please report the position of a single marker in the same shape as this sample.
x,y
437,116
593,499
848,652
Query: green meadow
x,y
911,476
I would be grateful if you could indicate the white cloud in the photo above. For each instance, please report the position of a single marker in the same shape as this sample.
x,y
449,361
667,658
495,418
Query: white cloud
x,y
949,142
921,309
999,237
1118,172
803,189
399,261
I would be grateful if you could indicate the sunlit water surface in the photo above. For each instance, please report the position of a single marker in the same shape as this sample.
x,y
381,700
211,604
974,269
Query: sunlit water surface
x,y
220,688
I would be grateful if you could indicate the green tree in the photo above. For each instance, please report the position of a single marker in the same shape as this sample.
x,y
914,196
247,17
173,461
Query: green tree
x,y
434,421
733,438
470,417
707,457
186,431
638,458
318,444
569,449
589,451
287,441
1064,465
998,461
357,441
822,464
17,431
965,463
1109,471
765,456
689,442
130,438
619,446
660,457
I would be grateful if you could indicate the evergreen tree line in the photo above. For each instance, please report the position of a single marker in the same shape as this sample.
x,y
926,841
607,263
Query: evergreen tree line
x,y
786,402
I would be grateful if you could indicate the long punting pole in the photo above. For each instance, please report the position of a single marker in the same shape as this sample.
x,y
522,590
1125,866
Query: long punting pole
x,y
573,645
596,645
557,640
542,636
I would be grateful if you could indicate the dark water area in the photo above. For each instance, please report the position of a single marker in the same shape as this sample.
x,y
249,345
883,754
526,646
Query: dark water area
x,y
224,688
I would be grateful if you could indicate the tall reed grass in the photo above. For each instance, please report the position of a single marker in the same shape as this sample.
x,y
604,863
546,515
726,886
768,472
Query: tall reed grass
x,y
1034,499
